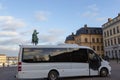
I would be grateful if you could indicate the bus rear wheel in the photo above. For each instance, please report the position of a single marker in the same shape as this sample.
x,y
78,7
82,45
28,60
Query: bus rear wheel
x,y
104,72
53,75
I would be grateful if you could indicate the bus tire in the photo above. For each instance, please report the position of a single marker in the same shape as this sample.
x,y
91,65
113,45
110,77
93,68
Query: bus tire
x,y
53,75
104,72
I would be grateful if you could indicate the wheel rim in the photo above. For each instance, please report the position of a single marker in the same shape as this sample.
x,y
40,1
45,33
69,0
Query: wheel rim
x,y
53,76
103,73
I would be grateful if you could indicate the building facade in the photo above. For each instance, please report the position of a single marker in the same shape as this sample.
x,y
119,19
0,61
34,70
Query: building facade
x,y
2,59
111,36
12,60
70,39
88,36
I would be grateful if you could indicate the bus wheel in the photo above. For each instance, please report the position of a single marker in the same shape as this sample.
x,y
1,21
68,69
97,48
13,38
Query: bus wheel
x,y
53,75
104,72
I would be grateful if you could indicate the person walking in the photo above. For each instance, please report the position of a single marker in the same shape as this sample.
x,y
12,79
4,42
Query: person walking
x,y
117,59
3,65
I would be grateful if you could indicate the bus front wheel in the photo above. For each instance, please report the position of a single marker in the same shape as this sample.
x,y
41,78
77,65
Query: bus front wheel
x,y
104,72
53,75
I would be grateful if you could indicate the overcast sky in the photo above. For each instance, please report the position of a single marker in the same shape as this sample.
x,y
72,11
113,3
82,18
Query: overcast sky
x,y
53,19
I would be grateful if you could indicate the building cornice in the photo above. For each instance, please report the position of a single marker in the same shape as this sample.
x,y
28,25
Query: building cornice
x,y
111,22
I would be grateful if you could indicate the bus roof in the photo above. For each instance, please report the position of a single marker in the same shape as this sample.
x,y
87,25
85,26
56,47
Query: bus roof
x,y
55,46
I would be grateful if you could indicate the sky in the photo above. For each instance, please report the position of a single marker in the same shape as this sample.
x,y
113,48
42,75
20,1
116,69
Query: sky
x,y
53,19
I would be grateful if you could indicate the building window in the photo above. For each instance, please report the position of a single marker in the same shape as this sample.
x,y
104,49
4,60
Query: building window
x,y
94,47
104,34
118,40
111,42
119,52
97,40
86,40
113,30
110,32
98,48
101,48
117,29
115,41
78,41
106,52
108,43
93,40
105,43
107,33
86,31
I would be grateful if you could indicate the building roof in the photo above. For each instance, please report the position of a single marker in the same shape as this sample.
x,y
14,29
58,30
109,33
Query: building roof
x,y
70,37
89,30
2,55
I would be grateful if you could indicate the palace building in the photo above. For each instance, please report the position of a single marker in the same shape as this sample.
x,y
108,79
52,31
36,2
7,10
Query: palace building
x,y
88,36
111,36
2,59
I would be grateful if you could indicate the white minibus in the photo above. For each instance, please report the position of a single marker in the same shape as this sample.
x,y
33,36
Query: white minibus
x,y
57,61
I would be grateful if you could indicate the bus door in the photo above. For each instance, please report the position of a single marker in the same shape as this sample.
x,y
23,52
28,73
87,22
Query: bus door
x,y
80,65
94,62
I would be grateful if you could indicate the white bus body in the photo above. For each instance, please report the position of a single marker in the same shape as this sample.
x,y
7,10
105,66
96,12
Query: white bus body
x,y
54,61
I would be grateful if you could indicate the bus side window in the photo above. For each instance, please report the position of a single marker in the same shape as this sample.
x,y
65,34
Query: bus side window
x,y
83,55
91,55
79,55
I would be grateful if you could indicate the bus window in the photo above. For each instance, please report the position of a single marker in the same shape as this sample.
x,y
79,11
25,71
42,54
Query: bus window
x,y
79,55
91,55
32,55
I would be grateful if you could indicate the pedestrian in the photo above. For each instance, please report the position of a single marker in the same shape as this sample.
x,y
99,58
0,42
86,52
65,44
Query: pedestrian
x,y
8,65
3,65
106,58
117,59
